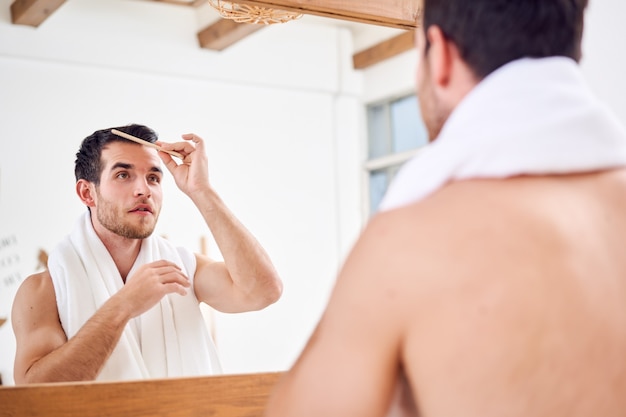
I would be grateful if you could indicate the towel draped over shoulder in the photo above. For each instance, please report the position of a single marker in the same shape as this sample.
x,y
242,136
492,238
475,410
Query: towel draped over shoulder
x,y
529,117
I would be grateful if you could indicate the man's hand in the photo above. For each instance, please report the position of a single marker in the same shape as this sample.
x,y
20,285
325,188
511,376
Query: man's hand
x,y
151,283
192,174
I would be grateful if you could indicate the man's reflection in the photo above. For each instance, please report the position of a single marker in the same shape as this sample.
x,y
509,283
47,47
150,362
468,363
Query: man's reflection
x,y
119,303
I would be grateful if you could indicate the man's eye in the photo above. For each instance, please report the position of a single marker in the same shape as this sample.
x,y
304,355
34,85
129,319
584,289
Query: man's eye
x,y
155,178
122,175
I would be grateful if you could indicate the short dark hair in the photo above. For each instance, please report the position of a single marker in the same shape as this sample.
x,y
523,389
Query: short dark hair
x,y
88,165
492,33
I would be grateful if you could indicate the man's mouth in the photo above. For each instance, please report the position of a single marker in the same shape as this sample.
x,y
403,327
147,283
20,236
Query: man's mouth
x,y
144,209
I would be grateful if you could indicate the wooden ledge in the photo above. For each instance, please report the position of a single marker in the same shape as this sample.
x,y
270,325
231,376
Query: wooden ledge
x,y
242,395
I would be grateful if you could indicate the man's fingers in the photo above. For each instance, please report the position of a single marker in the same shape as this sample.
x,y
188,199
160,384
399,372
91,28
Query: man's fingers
x,y
175,288
192,137
197,140
174,276
169,163
184,148
162,264
167,272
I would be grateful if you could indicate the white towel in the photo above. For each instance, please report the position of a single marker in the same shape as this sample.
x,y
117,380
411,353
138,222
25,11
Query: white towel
x,y
169,340
532,117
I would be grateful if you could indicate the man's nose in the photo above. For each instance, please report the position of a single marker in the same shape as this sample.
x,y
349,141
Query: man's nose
x,y
142,188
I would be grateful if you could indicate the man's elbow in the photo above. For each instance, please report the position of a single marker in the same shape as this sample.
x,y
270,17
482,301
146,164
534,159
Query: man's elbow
x,y
277,290
24,375
272,290
28,377
19,379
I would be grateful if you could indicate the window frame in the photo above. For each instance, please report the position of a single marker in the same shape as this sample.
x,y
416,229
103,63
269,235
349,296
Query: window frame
x,y
384,162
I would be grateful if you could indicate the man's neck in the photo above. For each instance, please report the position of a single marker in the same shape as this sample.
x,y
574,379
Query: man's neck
x,y
124,251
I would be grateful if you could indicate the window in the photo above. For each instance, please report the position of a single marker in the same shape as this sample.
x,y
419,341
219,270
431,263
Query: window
x,y
395,132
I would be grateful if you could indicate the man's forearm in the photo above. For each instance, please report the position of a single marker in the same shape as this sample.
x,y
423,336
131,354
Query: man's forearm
x,y
84,355
247,262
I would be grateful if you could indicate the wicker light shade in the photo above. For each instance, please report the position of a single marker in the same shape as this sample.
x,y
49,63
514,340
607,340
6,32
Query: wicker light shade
x,y
244,13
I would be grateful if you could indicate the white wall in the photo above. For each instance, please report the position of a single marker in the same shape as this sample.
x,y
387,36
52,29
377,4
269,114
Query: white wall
x,y
280,116
604,60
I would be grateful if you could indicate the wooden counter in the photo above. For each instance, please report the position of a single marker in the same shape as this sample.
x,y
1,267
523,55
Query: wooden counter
x,y
242,395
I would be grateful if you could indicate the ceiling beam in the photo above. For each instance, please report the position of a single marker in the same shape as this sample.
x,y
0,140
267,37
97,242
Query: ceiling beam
x,y
401,14
223,33
393,13
384,50
33,12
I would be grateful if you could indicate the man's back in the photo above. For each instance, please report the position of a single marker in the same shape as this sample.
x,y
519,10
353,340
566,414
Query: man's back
x,y
529,317
490,297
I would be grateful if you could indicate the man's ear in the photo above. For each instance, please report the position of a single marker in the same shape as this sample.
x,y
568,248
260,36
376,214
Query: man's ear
x,y
85,192
439,56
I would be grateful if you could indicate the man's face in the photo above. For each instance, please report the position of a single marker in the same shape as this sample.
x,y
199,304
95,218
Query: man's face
x,y
129,197
433,112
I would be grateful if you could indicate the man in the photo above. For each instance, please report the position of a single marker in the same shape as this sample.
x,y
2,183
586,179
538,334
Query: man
x,y
492,282
119,303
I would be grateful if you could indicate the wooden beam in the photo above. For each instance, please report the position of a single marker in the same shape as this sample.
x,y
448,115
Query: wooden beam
x,y
224,33
384,50
33,12
242,395
393,13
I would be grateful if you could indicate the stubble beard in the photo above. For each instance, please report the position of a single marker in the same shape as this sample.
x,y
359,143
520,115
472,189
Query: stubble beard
x,y
111,219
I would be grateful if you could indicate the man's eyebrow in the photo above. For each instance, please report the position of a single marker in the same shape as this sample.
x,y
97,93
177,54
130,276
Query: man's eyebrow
x,y
125,165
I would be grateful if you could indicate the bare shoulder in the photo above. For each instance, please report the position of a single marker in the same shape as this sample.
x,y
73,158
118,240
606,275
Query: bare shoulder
x,y
36,284
36,325
402,254
458,222
35,297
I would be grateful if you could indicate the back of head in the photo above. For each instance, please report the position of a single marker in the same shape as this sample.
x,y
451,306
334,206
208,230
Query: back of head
x,y
492,33
88,159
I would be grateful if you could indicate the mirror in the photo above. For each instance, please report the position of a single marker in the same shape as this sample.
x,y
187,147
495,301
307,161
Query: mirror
x,y
278,111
